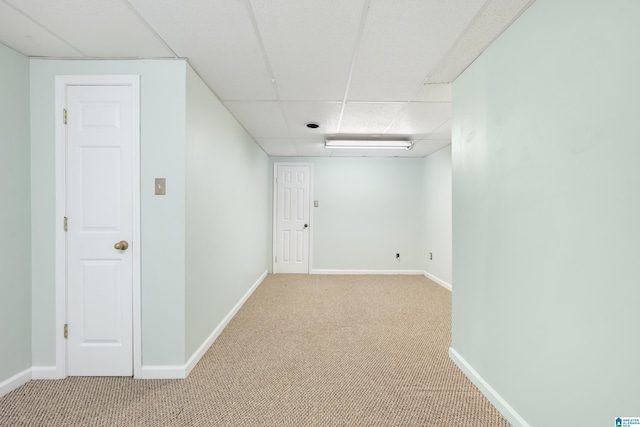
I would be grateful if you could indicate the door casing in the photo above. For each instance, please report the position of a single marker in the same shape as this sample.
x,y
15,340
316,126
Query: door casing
x,y
275,212
61,83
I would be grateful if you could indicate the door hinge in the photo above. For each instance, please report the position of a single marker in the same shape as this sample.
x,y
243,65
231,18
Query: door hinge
x,y
276,259
66,224
66,330
64,116
276,180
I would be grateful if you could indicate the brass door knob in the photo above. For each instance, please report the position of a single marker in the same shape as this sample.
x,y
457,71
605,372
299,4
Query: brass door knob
x,y
122,245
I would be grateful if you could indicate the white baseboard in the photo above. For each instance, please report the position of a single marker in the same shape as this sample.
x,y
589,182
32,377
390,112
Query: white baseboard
x,y
156,372
162,372
438,280
45,373
195,358
496,400
357,272
15,381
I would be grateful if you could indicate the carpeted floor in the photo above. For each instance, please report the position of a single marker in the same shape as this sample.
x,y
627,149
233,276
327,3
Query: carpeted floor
x,y
303,351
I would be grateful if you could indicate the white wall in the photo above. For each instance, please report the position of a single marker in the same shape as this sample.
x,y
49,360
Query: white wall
x,y
369,210
437,216
15,232
546,235
228,205
163,94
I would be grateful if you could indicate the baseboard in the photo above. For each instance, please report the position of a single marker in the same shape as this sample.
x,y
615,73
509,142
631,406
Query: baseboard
x,y
357,272
438,280
15,381
496,400
45,373
195,358
161,372
156,372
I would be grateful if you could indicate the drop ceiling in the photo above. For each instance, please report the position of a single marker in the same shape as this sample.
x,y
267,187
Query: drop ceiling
x,y
361,68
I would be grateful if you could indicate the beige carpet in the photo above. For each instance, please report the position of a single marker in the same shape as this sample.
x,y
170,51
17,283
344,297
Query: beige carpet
x,y
303,351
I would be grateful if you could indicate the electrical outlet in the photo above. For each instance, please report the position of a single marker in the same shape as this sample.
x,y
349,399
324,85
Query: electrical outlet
x,y
398,256
430,256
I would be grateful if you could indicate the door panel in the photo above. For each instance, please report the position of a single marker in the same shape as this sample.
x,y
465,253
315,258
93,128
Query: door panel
x,y
292,219
100,143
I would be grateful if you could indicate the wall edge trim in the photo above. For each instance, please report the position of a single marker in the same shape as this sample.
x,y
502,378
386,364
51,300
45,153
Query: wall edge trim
x,y
438,280
496,400
197,355
379,272
162,372
17,380
46,373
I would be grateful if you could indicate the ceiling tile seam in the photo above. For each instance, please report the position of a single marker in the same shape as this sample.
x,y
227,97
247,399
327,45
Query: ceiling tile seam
x,y
462,35
376,102
439,126
149,27
354,58
23,13
263,51
405,106
285,101
265,58
210,88
416,91
395,119
503,29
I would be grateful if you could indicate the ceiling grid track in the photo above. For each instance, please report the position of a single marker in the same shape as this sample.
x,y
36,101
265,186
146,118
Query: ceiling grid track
x,y
356,50
21,12
425,81
267,63
150,28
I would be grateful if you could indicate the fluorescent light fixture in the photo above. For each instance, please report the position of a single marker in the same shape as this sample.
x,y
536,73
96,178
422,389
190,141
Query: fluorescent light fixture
x,y
373,144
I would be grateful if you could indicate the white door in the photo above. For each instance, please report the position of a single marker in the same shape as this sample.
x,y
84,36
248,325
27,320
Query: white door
x,y
100,149
292,219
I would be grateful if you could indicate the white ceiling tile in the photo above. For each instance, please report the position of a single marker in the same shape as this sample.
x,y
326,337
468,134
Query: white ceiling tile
x,y
301,147
219,39
278,64
419,118
277,147
326,114
434,92
443,132
312,148
391,153
27,37
368,118
99,28
348,153
262,119
426,147
310,45
403,42
488,25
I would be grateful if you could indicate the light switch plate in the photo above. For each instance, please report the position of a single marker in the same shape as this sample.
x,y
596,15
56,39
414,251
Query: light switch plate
x,y
161,186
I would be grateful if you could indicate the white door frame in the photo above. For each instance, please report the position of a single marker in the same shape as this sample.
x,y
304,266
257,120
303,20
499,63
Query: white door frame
x,y
61,84
275,211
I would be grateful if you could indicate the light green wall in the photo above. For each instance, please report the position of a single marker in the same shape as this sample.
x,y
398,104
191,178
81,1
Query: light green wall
x,y
15,233
437,214
163,95
369,210
228,205
546,213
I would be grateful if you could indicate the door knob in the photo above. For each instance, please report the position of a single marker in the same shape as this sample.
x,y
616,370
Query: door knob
x,y
306,225
122,245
